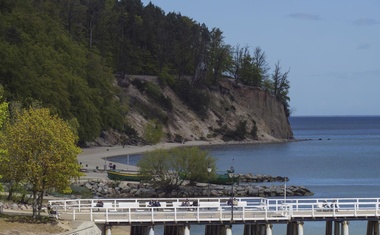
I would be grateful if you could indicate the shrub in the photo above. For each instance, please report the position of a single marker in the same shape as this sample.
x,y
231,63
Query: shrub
x,y
153,132
194,98
254,131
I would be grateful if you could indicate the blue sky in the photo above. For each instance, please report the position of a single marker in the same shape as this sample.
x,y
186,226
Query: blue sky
x,y
332,47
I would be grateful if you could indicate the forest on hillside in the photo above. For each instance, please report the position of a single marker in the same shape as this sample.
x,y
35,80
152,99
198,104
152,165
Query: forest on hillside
x,y
64,55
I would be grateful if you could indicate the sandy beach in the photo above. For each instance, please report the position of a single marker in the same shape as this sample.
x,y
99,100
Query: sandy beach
x,y
93,158
96,157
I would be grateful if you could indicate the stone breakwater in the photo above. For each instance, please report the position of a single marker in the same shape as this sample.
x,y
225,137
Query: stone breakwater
x,y
245,178
123,189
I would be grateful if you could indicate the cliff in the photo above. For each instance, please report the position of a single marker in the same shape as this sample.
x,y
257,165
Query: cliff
x,y
229,105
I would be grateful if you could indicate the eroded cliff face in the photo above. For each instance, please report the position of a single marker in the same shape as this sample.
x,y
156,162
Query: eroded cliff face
x,y
229,105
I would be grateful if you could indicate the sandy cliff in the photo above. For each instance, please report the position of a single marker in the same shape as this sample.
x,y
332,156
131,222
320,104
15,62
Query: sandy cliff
x,y
230,104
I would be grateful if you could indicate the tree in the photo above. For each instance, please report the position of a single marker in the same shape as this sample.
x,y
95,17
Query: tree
x,y
260,61
219,55
3,117
249,73
194,163
167,169
159,168
153,132
201,49
280,86
41,149
237,61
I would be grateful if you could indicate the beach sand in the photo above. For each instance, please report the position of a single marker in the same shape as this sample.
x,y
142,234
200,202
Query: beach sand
x,y
93,158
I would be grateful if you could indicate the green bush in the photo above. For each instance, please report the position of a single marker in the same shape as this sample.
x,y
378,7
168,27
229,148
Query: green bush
x,y
153,132
194,98
238,134
254,131
165,78
153,92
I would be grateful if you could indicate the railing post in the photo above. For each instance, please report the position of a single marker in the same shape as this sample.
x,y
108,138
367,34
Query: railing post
x,y
355,208
175,214
107,214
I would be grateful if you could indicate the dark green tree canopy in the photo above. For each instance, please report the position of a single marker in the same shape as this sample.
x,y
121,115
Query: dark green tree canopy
x,y
64,54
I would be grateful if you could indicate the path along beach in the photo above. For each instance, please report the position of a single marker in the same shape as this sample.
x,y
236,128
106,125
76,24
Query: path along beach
x,y
93,158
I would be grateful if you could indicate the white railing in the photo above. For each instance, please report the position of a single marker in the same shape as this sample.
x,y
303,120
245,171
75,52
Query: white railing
x,y
217,209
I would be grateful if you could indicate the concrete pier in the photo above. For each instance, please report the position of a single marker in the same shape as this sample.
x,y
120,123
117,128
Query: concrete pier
x,y
372,228
107,229
218,229
337,228
142,230
257,229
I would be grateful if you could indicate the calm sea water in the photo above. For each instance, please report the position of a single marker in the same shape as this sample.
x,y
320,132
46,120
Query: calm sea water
x,y
339,158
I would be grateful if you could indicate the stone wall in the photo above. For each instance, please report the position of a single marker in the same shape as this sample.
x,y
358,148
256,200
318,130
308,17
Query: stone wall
x,y
123,189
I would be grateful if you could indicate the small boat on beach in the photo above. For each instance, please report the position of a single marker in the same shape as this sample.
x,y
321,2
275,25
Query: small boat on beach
x,y
225,179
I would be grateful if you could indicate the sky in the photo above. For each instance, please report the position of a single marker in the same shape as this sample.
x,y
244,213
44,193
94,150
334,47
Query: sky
x,y
332,47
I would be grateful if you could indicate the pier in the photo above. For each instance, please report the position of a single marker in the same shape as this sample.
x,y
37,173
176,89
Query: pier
x,y
257,214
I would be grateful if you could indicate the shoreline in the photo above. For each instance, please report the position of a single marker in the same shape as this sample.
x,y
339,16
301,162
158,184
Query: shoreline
x,y
93,158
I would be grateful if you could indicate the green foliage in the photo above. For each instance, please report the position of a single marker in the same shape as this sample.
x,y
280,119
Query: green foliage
x,y
164,78
167,169
241,129
151,112
41,152
130,131
279,87
41,62
197,100
63,54
253,132
238,134
3,117
195,162
77,190
153,132
154,92
157,167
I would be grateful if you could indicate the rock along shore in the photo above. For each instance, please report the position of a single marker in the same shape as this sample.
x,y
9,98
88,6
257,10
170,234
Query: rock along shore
x,y
101,187
123,189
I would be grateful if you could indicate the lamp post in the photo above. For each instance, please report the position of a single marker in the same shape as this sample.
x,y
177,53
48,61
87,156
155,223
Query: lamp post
x,y
209,169
231,174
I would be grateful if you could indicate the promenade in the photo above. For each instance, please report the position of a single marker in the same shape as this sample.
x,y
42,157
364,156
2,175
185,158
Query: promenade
x,y
216,211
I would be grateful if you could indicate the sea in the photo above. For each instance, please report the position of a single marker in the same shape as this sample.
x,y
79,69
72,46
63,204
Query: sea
x,y
334,157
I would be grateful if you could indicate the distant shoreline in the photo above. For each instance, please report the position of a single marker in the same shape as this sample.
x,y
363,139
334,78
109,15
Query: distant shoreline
x,y
96,157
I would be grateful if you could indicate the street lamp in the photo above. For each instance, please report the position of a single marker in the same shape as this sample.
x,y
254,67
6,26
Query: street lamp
x,y
231,174
209,169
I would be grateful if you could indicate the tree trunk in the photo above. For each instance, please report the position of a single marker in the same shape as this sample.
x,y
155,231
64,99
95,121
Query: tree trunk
x,y
34,205
10,194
